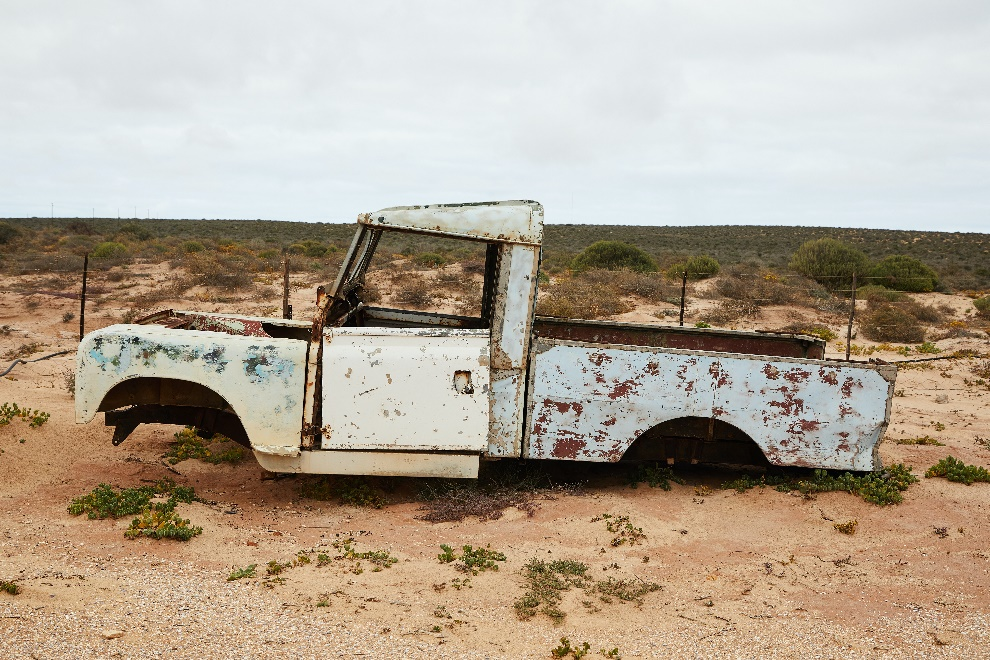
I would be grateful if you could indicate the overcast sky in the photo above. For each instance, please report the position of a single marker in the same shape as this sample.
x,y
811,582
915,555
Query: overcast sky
x,y
854,114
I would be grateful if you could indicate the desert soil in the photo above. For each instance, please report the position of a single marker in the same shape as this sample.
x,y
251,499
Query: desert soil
x,y
757,574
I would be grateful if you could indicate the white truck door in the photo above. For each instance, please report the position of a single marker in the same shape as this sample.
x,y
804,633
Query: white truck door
x,y
414,389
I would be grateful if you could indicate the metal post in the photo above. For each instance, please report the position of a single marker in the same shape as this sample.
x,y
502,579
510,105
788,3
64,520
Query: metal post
x,y
286,308
82,298
852,314
683,291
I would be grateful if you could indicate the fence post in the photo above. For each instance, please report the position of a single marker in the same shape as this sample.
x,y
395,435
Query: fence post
x,y
286,308
82,298
852,314
683,291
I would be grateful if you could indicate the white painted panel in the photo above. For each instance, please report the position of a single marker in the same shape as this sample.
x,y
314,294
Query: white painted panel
x,y
395,388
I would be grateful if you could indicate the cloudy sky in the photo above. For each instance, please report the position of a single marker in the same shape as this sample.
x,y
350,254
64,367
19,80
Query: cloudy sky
x,y
855,114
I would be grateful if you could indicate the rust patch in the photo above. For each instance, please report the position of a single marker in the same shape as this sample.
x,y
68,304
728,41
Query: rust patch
x,y
847,386
567,447
791,405
623,389
599,359
844,410
719,411
653,368
797,376
771,372
828,376
720,375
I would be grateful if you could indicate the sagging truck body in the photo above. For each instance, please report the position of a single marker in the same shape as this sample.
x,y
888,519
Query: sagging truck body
x,y
378,391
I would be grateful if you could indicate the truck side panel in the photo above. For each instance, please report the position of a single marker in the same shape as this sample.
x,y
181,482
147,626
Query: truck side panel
x,y
590,402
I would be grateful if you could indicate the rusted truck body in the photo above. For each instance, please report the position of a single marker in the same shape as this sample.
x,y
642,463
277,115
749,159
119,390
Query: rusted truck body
x,y
375,390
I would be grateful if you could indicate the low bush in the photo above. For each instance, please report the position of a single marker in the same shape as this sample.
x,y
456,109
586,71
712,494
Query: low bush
x,y
879,293
431,260
109,250
697,268
880,488
887,323
614,255
903,273
7,232
982,306
953,469
580,298
216,450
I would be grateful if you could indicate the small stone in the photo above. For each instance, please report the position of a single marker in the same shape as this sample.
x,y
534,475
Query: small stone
x,y
942,398
113,634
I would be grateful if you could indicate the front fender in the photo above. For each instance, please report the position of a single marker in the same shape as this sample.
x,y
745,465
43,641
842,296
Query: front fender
x,y
263,379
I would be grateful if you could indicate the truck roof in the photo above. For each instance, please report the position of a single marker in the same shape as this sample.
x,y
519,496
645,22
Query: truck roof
x,y
512,221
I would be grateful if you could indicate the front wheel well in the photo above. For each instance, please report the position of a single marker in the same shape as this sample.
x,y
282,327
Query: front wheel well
x,y
169,401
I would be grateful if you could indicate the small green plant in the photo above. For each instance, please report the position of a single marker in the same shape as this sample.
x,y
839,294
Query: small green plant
x,y
565,649
702,324
34,418
953,469
655,475
160,521
903,273
189,444
324,600
613,653
473,560
275,567
436,629
624,530
9,587
629,591
921,440
697,268
880,488
982,306
379,558
106,502
447,555
928,347
848,527
240,573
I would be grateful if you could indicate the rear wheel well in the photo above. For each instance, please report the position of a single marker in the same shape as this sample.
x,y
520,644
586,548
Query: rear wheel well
x,y
696,440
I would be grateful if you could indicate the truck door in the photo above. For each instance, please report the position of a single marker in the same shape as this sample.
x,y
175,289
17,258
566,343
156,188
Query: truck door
x,y
416,389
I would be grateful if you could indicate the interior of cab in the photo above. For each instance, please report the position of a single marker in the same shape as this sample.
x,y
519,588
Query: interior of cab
x,y
350,310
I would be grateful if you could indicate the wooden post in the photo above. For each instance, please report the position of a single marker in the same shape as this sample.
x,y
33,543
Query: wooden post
x,y
852,314
683,291
82,298
286,308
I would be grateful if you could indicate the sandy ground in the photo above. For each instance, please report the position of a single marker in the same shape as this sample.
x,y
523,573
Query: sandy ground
x,y
758,574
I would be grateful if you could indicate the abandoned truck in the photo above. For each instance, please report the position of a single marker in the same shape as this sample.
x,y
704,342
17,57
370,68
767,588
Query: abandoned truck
x,y
379,391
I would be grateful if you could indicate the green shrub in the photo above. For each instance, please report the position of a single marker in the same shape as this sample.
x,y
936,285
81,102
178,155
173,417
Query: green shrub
x,y
310,248
829,262
879,293
109,250
7,232
431,260
160,521
880,488
888,323
192,246
136,230
614,255
903,273
697,268
9,587
982,306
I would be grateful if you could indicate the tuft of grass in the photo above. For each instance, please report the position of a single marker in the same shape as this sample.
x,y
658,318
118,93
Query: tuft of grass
x,y
655,475
565,649
880,488
355,491
545,584
9,587
953,469
627,591
473,560
34,418
240,573
624,530
921,440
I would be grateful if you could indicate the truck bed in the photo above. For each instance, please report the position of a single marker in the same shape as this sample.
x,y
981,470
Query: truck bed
x,y
691,339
